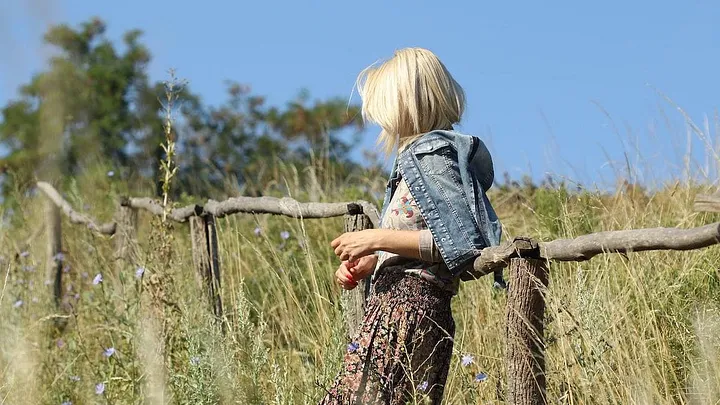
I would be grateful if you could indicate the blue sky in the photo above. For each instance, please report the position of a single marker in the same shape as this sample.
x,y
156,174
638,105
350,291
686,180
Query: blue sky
x,y
568,88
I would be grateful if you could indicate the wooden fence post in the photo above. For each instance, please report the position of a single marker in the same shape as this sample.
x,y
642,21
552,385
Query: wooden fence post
x,y
353,301
203,234
525,352
54,247
125,236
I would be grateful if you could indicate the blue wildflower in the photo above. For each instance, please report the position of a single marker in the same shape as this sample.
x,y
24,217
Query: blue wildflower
x,y
66,268
98,279
66,403
18,304
353,347
480,377
139,272
109,352
467,360
24,253
285,235
257,231
59,257
99,388
423,386
110,173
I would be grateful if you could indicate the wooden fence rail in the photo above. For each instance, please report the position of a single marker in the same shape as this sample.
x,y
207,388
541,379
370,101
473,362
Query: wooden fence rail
x,y
527,259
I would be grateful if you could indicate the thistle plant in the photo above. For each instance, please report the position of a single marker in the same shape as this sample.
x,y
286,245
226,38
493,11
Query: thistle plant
x,y
168,168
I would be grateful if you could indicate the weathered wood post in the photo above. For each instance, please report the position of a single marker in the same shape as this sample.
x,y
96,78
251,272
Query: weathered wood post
x,y
525,353
353,301
203,234
54,248
125,236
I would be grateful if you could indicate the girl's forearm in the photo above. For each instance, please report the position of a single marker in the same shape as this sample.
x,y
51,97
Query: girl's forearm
x,y
402,243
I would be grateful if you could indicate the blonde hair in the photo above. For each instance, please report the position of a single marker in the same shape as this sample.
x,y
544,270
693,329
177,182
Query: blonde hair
x,y
408,95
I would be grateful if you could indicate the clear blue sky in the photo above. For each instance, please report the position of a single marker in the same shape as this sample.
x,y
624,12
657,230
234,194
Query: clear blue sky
x,y
538,74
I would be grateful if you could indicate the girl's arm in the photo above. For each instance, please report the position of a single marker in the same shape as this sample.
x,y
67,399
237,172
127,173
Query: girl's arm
x,y
411,244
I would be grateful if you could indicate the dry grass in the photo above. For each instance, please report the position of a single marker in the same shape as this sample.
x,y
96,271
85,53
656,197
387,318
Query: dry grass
x,y
637,330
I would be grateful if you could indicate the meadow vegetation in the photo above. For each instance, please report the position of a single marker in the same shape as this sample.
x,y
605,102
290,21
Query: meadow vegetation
x,y
621,329
638,329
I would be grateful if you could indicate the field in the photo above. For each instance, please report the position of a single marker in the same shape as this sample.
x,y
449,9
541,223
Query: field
x,y
641,329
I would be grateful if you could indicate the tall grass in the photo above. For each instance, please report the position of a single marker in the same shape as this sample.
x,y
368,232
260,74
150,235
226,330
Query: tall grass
x,y
635,329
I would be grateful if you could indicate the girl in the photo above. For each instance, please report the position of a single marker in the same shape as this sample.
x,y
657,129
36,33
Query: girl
x,y
435,220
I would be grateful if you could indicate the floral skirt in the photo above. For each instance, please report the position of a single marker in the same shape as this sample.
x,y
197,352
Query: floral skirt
x,y
403,348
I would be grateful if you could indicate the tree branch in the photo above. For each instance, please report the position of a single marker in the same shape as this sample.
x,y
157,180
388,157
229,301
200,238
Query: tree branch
x,y
707,203
74,216
257,205
587,246
154,207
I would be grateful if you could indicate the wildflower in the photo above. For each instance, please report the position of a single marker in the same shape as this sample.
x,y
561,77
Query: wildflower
x,y
285,235
99,388
480,377
59,257
110,173
29,268
74,378
24,253
18,304
257,231
353,347
139,272
60,343
194,360
109,352
66,403
66,268
98,279
467,360
423,386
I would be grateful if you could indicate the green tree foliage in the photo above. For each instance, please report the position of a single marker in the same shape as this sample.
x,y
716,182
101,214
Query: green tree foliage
x,y
95,105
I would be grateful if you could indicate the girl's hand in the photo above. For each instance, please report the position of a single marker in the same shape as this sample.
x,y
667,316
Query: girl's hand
x,y
344,278
351,246
364,267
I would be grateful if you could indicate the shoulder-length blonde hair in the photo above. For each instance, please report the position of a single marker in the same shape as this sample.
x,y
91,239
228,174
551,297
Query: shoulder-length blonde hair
x,y
408,95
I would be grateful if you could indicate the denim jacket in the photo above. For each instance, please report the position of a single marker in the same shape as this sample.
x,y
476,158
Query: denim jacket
x,y
448,174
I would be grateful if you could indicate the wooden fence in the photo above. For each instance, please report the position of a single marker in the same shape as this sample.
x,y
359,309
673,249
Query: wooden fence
x,y
528,261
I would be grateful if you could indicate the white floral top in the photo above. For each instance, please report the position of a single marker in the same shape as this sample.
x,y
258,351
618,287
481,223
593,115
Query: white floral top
x,y
403,214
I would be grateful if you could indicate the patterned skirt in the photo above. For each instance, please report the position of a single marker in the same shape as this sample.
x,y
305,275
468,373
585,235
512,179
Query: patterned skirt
x,y
403,348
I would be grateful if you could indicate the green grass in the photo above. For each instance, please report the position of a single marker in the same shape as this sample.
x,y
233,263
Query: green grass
x,y
643,329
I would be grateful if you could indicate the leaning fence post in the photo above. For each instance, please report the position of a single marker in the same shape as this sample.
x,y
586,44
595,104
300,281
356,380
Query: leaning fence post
x,y
125,236
525,353
353,301
54,247
203,234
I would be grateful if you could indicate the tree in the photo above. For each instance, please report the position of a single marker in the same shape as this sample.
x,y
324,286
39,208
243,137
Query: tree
x,y
95,105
